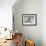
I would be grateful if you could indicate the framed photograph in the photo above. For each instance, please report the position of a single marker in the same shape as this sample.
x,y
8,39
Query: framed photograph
x,y
29,19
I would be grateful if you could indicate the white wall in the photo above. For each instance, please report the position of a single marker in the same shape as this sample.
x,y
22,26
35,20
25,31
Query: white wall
x,y
6,13
6,17
28,7
43,22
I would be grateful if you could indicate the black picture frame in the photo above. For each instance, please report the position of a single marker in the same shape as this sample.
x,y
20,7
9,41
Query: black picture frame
x,y
29,19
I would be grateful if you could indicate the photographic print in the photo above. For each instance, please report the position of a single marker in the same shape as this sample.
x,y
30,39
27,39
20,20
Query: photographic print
x,y
29,19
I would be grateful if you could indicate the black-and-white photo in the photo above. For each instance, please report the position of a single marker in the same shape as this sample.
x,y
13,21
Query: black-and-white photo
x,y
29,19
